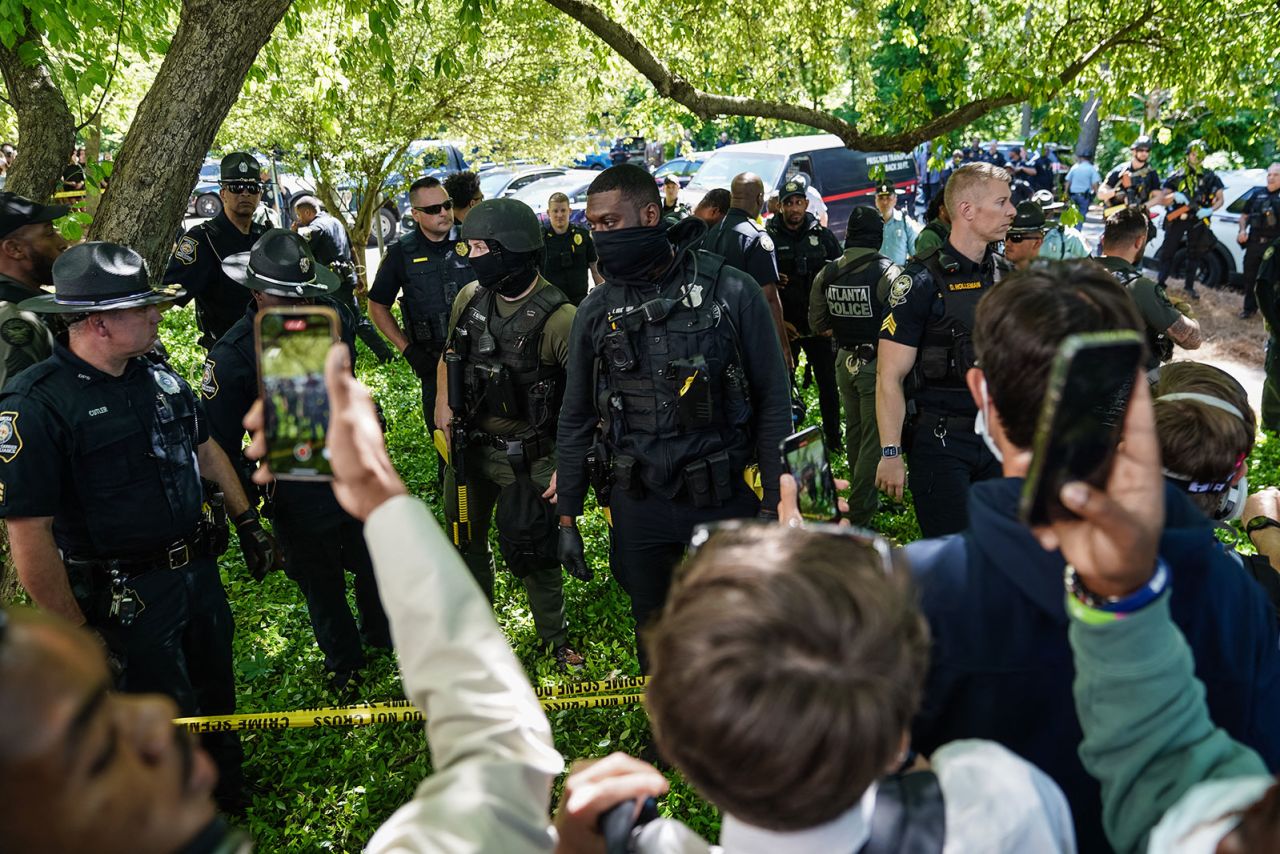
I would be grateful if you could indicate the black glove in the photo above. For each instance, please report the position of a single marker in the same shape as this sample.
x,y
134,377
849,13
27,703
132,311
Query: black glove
x,y
421,359
573,555
260,553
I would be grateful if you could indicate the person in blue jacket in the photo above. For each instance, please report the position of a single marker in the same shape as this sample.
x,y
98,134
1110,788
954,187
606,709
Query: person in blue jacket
x,y
1001,666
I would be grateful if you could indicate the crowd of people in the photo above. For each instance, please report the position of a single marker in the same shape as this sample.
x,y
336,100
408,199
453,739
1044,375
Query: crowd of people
x,y
823,689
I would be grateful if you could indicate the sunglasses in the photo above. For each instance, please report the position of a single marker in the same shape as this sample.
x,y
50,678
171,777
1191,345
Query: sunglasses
x,y
860,537
432,210
1018,238
248,188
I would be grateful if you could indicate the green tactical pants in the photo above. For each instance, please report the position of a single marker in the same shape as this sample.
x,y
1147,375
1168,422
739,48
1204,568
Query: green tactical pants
x,y
861,435
1271,387
487,472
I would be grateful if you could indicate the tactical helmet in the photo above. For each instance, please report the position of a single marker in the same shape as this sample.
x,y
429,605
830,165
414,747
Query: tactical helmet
x,y
1143,141
509,222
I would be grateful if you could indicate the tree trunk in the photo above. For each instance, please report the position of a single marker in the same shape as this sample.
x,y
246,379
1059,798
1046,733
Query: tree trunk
x,y
10,587
46,130
1026,122
1090,125
200,78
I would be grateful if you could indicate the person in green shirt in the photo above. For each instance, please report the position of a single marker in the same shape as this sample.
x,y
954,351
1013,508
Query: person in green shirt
x,y
937,229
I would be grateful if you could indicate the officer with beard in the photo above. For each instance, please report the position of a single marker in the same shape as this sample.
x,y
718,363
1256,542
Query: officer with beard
x,y
29,245
802,246
509,339
675,356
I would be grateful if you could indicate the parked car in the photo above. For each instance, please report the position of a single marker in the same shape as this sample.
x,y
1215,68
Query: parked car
x,y
597,158
1223,264
842,176
572,183
205,201
681,168
501,182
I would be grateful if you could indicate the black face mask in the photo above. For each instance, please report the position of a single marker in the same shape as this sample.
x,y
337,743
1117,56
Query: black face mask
x,y
628,253
507,274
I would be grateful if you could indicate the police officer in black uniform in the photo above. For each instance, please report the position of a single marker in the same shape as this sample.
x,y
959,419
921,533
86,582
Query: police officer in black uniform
x,y
673,353
196,264
745,245
1259,226
1268,291
319,540
424,269
332,247
1132,184
570,252
29,245
102,450
847,301
673,210
923,404
1191,195
508,345
802,246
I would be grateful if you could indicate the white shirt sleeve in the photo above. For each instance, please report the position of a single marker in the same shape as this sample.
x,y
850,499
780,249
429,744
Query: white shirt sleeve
x,y
490,741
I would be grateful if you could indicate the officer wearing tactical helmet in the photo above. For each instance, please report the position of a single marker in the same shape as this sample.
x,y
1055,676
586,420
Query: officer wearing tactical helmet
x,y
923,405
675,356
1133,184
802,246
1191,195
508,343
426,272
846,303
196,264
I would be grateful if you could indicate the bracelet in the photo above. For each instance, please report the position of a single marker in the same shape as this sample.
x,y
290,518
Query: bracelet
x,y
1136,600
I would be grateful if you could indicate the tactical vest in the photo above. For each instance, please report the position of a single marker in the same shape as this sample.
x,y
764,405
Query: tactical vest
x,y
566,253
432,282
1141,185
852,302
505,376
800,257
672,366
1160,344
946,348
1264,216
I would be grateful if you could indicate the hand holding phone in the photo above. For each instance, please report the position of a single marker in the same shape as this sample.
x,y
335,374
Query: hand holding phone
x,y
805,456
293,343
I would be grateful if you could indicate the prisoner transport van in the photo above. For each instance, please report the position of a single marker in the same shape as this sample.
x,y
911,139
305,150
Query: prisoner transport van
x,y
840,175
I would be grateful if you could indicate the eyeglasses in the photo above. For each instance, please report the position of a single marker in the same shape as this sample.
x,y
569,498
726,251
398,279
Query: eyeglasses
x,y
857,536
248,188
432,210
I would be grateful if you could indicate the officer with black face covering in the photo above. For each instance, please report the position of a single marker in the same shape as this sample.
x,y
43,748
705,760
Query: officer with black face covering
x,y
676,356
846,303
505,361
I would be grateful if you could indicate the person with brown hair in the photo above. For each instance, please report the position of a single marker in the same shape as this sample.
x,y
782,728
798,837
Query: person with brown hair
x,y
787,666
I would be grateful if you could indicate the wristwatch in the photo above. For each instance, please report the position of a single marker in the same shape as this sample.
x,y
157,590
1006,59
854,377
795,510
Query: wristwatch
x,y
890,451
1257,523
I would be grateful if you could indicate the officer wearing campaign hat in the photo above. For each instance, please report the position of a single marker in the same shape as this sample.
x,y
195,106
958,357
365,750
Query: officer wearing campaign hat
x,y
196,264
510,332
1022,241
102,451
900,232
1058,242
319,540
29,244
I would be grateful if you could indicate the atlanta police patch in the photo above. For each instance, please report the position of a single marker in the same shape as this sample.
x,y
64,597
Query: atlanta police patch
x,y
17,332
185,251
10,440
899,289
766,242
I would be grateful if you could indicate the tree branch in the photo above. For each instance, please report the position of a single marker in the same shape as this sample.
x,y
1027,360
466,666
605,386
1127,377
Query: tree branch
x,y
707,105
111,76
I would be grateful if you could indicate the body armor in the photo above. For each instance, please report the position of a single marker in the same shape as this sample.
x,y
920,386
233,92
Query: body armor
x,y
852,302
427,295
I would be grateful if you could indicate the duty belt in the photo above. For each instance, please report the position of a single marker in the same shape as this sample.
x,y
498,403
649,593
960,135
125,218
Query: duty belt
x,y
862,352
949,423
176,555
535,447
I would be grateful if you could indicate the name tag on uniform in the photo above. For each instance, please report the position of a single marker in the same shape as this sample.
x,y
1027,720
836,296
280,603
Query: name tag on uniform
x,y
964,286
420,260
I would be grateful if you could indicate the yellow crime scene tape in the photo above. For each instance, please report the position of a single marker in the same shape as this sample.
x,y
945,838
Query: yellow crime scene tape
x,y
595,694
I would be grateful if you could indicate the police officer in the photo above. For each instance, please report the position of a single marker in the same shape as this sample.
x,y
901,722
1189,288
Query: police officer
x,y
1268,291
1191,195
570,252
802,246
332,247
102,450
1135,184
848,298
424,269
674,354
746,246
937,226
29,245
508,345
899,231
673,210
1124,239
1259,226
1060,242
925,352
318,538
196,264
1023,240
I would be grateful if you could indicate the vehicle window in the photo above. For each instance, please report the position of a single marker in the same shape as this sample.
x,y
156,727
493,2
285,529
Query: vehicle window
x,y
1237,207
839,170
802,163
210,172
492,183
720,168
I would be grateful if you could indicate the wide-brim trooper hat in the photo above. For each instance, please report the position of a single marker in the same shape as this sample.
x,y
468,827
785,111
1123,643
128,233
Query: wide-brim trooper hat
x,y
281,264
99,276
1029,220
1046,201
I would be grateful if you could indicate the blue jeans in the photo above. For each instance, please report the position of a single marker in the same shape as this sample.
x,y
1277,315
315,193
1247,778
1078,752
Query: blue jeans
x,y
1082,201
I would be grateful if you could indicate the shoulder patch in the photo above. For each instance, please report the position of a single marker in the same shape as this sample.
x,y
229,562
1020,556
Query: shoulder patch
x,y
209,380
17,332
185,251
766,242
10,440
1271,250
899,289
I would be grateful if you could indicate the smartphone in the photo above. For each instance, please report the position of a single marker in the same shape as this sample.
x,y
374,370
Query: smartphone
x,y
805,456
293,343
1080,423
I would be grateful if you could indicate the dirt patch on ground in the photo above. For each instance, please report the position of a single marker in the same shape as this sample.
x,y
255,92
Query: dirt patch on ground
x,y
1226,336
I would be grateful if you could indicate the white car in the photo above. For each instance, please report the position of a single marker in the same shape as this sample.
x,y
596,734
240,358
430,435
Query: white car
x,y
1224,263
572,183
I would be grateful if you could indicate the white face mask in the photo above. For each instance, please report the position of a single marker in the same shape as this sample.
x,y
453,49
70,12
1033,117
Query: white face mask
x,y
980,426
